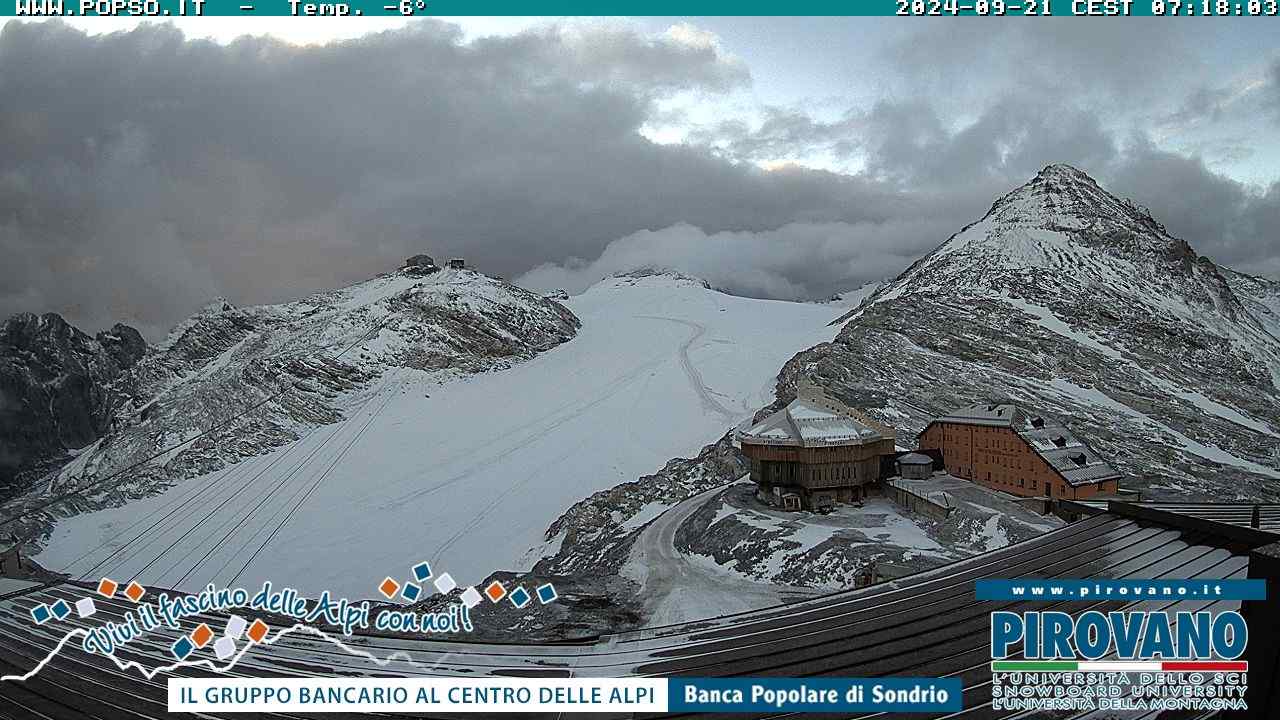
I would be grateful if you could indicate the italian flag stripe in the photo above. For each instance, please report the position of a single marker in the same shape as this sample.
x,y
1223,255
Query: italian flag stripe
x,y
1119,666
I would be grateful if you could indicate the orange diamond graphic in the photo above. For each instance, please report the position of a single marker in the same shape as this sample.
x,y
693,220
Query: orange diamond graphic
x,y
107,587
257,631
202,635
389,588
134,592
495,591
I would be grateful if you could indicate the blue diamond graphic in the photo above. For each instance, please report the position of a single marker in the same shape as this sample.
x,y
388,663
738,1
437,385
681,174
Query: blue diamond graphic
x,y
182,648
40,614
60,609
547,593
411,592
422,572
520,597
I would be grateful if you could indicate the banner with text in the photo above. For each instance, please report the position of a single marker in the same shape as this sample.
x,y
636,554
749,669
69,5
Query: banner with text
x,y
523,695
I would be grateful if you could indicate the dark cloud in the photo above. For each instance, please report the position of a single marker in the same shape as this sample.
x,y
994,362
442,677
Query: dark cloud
x,y
1205,103
1009,142
941,180
1125,59
908,144
784,134
1220,217
142,173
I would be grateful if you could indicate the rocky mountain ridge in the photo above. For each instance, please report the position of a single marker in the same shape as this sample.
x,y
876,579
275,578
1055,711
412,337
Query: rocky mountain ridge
x,y
59,389
1071,300
234,382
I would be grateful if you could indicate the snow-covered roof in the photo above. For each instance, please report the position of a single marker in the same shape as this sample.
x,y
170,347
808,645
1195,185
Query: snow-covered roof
x,y
1069,455
915,459
994,414
815,420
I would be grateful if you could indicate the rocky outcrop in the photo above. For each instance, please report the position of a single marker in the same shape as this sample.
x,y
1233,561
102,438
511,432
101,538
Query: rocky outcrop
x,y
59,388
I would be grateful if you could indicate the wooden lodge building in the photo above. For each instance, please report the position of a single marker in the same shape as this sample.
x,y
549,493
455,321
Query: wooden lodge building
x,y
815,452
1004,448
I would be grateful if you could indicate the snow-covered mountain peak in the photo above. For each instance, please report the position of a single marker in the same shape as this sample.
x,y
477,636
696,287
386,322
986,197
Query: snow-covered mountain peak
x,y
651,275
1061,239
1070,299
1062,197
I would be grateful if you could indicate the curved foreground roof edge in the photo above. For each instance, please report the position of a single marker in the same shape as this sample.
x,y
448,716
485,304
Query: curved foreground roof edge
x,y
922,625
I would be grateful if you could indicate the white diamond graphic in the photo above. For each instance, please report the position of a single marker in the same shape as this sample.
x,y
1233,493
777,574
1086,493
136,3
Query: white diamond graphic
x,y
86,607
224,648
235,627
445,583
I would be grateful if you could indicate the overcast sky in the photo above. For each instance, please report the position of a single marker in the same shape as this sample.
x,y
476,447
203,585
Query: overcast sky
x,y
145,169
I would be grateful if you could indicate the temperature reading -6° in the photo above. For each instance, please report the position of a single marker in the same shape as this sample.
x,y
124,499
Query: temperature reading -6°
x,y
409,7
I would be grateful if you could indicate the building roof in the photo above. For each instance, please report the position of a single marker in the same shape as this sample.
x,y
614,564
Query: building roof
x,y
814,419
1066,453
915,459
1000,415
1264,517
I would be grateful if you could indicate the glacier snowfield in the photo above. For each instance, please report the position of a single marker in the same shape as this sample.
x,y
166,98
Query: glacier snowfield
x,y
466,473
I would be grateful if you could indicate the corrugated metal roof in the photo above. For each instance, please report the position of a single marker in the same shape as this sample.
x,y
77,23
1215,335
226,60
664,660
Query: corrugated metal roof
x,y
1265,515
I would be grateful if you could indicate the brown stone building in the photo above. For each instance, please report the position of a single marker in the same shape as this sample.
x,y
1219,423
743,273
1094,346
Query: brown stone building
x,y
815,452
1004,448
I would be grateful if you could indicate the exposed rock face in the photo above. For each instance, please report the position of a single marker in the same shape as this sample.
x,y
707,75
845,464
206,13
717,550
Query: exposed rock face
x,y
1069,299
236,382
58,390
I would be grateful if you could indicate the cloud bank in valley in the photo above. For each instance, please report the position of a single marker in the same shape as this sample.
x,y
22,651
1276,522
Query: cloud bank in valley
x,y
797,261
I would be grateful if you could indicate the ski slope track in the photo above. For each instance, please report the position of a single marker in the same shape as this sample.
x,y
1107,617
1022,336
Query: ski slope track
x,y
424,460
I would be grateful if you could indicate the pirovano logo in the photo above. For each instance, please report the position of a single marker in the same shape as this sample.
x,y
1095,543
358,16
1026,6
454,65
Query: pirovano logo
x,y
1149,657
